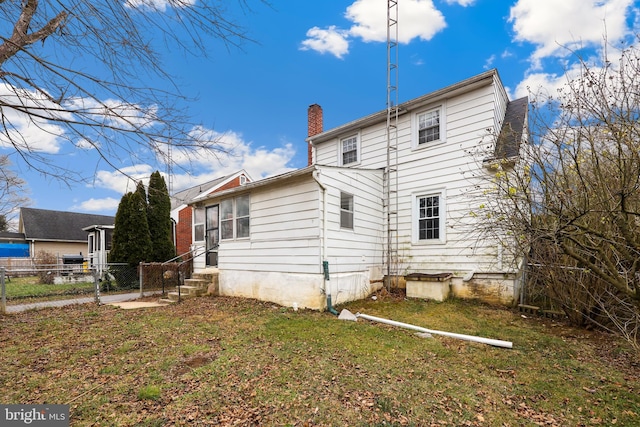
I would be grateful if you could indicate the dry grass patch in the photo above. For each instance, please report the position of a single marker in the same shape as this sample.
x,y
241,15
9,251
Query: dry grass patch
x,y
224,361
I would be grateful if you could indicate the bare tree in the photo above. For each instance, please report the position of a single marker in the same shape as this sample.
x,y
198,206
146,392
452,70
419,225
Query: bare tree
x,y
12,194
573,205
82,72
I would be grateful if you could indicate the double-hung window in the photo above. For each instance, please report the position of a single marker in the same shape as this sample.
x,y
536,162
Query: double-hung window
x,y
234,218
349,150
429,127
429,218
242,216
198,225
346,211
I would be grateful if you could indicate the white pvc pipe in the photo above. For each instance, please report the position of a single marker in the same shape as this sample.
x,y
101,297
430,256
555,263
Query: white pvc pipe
x,y
489,341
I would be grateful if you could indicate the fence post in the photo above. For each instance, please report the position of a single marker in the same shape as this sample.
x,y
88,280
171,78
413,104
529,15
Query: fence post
x,y
3,299
96,284
141,280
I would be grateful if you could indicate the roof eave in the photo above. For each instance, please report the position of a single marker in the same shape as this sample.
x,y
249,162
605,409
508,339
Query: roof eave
x,y
254,184
430,98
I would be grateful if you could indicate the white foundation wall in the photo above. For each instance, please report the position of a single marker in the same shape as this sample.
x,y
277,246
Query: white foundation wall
x,y
301,290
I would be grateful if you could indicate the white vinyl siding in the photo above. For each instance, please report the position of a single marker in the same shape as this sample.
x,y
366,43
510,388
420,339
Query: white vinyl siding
x,y
439,165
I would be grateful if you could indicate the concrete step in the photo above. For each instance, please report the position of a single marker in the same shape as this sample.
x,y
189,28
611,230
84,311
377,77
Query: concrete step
x,y
191,290
202,283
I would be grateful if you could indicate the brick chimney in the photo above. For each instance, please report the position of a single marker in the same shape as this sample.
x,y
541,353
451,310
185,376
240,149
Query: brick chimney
x,y
314,114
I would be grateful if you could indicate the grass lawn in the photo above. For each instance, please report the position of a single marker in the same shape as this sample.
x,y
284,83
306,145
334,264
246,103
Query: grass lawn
x,y
20,289
225,361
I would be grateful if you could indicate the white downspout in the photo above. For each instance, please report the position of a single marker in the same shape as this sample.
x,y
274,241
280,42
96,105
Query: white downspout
x,y
325,262
316,177
472,338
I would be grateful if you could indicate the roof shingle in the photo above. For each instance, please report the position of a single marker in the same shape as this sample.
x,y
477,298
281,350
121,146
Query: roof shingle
x,y
41,224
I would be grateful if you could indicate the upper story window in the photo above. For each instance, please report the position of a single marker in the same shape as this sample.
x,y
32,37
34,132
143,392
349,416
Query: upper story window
x,y
234,218
346,211
429,127
349,152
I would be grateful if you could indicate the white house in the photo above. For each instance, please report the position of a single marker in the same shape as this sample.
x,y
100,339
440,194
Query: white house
x,y
276,239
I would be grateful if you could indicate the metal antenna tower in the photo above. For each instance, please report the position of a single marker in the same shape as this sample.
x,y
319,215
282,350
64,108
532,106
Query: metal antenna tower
x,y
391,170
169,170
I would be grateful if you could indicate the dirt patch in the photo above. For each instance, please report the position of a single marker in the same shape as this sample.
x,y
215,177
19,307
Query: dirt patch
x,y
130,305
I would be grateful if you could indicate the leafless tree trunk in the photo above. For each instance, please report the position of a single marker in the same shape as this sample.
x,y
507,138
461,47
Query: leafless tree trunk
x,y
81,73
12,193
573,204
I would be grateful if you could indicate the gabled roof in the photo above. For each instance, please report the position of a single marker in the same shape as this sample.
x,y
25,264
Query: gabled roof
x,y
455,89
513,127
185,196
41,224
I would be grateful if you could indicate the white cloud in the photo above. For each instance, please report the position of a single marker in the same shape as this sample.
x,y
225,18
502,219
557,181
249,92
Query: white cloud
x,y
331,41
463,3
116,113
489,62
553,26
158,5
27,131
97,205
540,83
195,167
123,180
420,20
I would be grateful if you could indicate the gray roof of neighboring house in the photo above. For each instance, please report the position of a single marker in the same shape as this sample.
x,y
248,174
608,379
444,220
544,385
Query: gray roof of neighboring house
x,y
41,224
185,196
11,236
508,144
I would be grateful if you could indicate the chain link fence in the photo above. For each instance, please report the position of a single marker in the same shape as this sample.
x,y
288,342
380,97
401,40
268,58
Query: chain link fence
x,y
164,277
41,282
50,282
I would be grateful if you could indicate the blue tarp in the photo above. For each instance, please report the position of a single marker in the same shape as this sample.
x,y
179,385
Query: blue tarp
x,y
14,250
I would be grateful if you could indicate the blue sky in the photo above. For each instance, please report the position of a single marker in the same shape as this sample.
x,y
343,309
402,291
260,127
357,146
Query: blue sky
x,y
333,53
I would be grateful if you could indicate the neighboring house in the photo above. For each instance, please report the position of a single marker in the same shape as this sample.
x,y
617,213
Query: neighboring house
x,y
56,232
294,238
13,245
182,214
99,240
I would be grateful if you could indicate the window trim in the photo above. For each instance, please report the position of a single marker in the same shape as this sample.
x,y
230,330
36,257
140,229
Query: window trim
x,y
415,212
340,149
352,211
415,122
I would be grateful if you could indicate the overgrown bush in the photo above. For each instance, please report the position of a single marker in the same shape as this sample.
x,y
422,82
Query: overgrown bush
x,y
46,263
558,282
